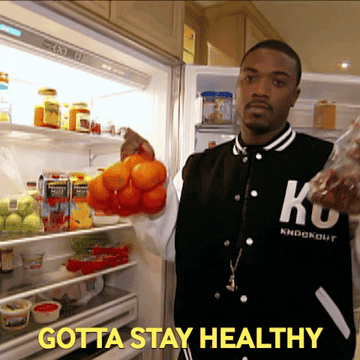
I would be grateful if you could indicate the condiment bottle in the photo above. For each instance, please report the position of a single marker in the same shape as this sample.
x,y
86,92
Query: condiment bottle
x,y
65,117
5,103
79,117
7,260
47,112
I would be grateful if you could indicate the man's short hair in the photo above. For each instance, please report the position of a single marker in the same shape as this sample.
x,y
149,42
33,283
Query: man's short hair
x,y
280,46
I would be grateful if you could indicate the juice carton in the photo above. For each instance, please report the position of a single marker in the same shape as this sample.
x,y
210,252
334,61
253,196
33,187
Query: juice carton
x,y
55,201
80,212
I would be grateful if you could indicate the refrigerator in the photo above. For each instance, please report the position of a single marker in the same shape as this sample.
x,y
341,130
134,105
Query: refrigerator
x,y
124,85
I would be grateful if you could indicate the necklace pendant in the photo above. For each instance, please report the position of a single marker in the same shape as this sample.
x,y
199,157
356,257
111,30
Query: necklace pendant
x,y
232,287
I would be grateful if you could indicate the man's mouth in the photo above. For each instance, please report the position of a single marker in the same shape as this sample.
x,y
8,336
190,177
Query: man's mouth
x,y
259,105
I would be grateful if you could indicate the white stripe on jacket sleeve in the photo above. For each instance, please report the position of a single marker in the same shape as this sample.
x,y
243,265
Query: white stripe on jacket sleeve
x,y
334,312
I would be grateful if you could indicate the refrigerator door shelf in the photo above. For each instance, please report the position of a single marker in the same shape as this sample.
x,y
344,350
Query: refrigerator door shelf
x,y
209,136
22,284
329,135
111,308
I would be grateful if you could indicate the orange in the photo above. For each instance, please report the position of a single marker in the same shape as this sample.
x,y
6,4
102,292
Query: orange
x,y
97,189
154,199
127,210
161,170
116,176
131,161
130,195
97,205
145,175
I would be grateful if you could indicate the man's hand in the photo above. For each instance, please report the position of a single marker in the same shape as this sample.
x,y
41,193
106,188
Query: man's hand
x,y
135,144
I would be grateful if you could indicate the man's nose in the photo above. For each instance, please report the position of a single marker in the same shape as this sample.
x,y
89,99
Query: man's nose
x,y
262,89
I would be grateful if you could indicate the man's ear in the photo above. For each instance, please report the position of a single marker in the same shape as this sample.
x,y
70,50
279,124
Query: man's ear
x,y
296,95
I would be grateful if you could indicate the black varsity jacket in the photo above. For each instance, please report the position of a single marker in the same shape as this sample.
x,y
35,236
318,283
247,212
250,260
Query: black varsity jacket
x,y
294,282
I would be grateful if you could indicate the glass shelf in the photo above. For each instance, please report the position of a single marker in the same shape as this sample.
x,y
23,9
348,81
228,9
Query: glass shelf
x,y
42,136
53,274
54,236
108,297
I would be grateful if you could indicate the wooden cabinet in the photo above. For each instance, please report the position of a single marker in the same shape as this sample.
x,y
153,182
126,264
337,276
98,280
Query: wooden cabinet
x,y
101,8
253,34
228,30
159,23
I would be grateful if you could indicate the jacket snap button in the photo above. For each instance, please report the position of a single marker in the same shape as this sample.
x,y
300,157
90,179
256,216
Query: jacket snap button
x,y
237,197
258,156
249,241
254,193
243,299
217,295
245,159
227,242
245,358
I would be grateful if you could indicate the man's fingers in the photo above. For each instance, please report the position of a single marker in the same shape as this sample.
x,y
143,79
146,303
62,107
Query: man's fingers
x,y
134,143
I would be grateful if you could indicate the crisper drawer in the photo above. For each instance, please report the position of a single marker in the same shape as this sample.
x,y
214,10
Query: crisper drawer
x,y
105,310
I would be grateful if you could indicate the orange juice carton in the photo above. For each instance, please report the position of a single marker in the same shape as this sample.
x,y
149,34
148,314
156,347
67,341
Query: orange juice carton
x,y
81,214
54,188
325,115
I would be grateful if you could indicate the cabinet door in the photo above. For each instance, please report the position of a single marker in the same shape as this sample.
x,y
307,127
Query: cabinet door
x,y
253,34
101,8
158,23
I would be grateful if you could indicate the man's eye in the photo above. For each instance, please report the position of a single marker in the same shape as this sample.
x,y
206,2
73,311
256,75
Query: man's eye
x,y
279,83
250,78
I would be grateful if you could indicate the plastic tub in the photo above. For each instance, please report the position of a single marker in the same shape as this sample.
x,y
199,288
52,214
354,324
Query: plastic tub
x,y
45,312
15,314
32,261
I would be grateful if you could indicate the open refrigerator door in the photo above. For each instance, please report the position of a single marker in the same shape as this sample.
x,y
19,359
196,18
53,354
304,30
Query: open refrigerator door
x,y
121,88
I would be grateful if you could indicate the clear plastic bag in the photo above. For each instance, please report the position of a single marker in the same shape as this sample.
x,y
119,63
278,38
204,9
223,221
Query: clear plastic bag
x,y
19,210
337,185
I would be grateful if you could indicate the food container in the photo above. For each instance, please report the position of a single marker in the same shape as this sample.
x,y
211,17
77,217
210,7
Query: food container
x,y
47,112
32,262
45,312
79,117
217,107
325,115
54,191
15,315
80,212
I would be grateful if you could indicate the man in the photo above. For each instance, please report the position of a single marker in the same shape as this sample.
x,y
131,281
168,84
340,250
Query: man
x,y
261,272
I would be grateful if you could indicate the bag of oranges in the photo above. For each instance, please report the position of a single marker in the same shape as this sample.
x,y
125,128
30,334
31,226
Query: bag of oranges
x,y
131,186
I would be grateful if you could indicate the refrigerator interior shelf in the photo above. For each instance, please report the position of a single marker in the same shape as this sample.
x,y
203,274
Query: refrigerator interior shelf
x,y
26,283
113,307
57,138
56,236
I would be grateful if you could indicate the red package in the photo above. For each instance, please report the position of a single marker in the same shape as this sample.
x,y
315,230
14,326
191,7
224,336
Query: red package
x,y
101,257
337,185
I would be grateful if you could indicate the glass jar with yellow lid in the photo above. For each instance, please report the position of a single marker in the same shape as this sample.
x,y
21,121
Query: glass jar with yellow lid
x,y
47,112
79,117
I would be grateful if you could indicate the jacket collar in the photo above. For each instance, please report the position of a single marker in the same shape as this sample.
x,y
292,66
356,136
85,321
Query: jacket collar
x,y
280,143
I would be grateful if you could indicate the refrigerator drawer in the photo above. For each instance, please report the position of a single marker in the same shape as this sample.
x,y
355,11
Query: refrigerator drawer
x,y
116,315
114,353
